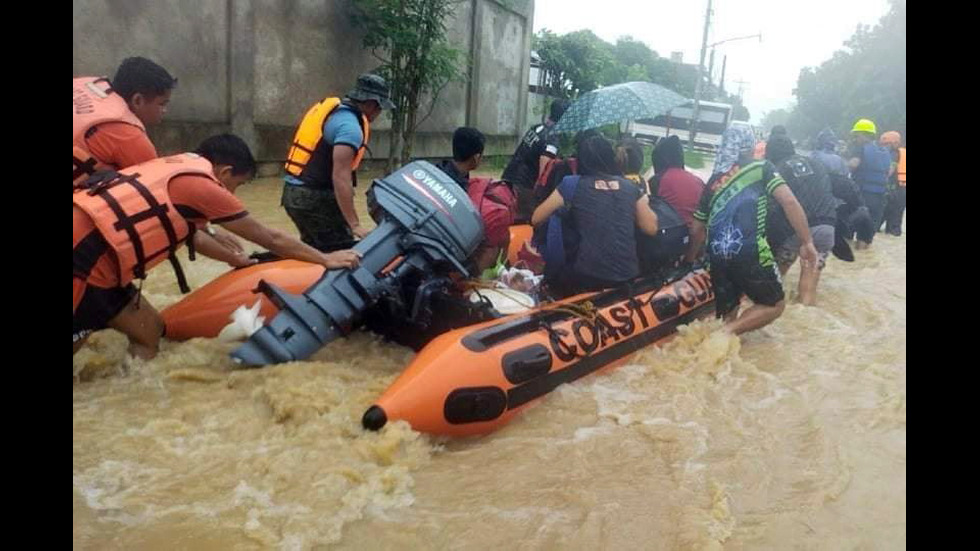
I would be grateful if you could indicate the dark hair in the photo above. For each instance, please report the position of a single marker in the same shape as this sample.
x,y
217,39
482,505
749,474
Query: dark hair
x,y
597,158
558,107
779,148
629,155
667,154
583,135
230,150
467,142
778,130
138,75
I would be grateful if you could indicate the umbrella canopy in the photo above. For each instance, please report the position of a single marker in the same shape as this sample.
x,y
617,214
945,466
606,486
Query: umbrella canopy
x,y
612,104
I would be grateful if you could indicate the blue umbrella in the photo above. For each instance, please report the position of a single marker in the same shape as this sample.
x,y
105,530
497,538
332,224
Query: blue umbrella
x,y
613,104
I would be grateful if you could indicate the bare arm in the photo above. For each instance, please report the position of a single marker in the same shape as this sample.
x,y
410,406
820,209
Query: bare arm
x,y
228,240
212,248
646,219
698,235
287,246
542,163
343,187
547,208
797,218
794,212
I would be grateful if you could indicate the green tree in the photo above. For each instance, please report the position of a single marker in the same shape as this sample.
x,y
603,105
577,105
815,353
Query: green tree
x,y
777,117
580,61
866,79
409,38
574,63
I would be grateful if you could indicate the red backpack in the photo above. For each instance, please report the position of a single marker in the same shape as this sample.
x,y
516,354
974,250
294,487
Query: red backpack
x,y
495,202
551,176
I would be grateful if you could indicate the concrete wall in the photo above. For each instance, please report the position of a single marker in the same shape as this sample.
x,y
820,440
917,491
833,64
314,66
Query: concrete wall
x,y
502,40
254,66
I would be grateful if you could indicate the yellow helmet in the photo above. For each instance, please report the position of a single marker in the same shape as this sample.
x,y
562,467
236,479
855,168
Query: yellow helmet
x,y
865,125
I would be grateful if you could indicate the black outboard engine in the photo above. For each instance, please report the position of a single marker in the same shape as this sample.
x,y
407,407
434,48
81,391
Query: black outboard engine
x,y
427,223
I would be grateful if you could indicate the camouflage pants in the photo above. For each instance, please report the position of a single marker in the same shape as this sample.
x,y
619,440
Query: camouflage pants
x,y
318,217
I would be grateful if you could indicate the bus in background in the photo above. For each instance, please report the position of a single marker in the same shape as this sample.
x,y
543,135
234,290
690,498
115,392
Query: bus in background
x,y
714,119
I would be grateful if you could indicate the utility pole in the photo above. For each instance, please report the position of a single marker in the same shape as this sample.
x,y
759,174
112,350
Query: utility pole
x,y
724,64
695,117
711,74
721,87
741,87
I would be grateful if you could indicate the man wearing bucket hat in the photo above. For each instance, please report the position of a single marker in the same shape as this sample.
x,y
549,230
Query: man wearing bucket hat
x,y
321,166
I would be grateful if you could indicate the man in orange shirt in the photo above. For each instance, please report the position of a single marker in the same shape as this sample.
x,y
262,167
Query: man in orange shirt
x,y
109,118
109,122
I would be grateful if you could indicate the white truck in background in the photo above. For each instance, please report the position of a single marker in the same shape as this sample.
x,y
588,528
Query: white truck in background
x,y
714,119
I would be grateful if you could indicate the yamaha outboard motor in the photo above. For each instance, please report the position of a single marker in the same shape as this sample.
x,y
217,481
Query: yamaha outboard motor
x,y
427,223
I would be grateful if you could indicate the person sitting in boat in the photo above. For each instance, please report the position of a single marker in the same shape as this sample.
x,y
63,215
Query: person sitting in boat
x,y
629,157
493,199
603,209
468,144
125,223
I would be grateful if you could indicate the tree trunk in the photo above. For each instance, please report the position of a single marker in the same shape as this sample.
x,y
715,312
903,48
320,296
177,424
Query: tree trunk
x,y
395,141
394,144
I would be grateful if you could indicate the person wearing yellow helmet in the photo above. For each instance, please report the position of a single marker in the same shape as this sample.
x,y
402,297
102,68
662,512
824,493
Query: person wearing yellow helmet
x,y
865,126
870,166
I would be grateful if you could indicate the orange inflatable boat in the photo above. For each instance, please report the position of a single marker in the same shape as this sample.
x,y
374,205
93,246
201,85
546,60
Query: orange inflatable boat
x,y
474,380
472,377
207,310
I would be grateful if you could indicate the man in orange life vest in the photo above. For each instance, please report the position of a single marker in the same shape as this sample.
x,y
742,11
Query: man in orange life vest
x,y
110,118
895,207
321,165
124,223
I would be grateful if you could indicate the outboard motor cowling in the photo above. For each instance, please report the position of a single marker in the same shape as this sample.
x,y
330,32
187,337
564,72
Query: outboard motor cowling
x,y
427,223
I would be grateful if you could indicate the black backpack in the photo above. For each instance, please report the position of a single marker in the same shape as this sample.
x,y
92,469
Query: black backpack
x,y
665,250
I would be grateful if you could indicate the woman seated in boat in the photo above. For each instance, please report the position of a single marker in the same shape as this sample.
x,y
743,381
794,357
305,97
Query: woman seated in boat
x,y
601,211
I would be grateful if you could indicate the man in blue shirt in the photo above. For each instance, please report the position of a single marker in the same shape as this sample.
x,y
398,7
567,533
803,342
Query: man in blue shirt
x,y
322,162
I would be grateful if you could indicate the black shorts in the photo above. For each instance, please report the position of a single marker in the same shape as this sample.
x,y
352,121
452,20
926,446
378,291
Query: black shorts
x,y
732,279
97,308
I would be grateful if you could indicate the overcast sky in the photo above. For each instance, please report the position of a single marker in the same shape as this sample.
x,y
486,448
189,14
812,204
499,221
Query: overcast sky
x,y
795,34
